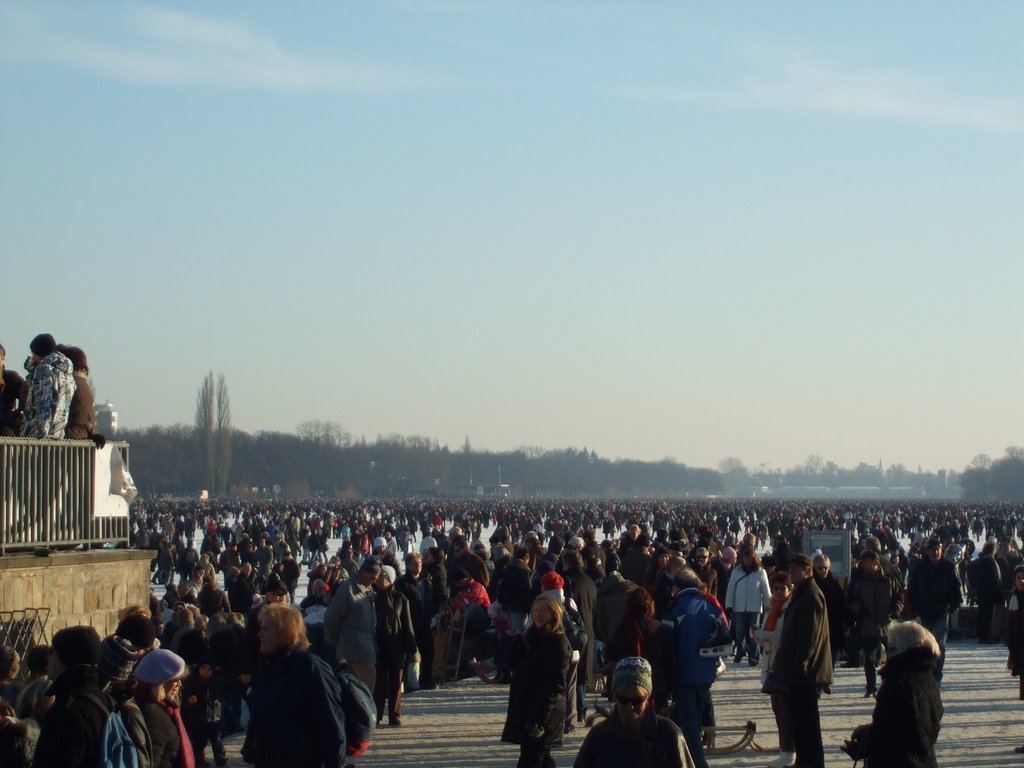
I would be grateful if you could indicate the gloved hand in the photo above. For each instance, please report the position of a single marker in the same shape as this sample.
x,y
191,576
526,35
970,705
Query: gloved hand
x,y
533,731
98,439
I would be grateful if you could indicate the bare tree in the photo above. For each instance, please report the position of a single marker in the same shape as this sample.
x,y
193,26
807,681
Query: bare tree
x,y
734,475
205,416
324,432
223,436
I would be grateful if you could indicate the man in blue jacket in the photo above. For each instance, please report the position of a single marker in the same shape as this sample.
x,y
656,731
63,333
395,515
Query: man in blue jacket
x,y
691,619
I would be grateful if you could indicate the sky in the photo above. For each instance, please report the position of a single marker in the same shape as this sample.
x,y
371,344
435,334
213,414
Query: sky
x,y
684,230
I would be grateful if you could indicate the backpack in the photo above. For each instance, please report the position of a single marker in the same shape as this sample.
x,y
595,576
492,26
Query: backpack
x,y
359,710
575,632
124,741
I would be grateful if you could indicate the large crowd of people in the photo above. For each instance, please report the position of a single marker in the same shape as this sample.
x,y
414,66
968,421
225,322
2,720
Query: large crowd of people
x,y
642,601
629,599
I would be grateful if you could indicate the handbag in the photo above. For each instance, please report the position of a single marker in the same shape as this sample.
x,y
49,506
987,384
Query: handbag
x,y
412,675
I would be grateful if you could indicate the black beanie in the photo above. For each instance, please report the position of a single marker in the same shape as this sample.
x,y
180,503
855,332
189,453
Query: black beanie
x,y
44,344
137,630
77,645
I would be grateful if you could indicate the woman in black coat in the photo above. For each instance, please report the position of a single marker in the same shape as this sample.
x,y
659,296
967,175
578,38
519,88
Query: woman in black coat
x,y
536,698
158,692
396,644
908,707
295,704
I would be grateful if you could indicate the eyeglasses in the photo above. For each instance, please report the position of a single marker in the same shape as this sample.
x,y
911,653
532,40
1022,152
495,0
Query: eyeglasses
x,y
634,701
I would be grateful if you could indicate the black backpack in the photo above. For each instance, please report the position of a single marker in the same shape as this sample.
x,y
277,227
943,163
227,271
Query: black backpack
x,y
575,632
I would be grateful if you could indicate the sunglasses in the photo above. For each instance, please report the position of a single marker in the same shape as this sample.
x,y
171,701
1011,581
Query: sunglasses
x,y
634,701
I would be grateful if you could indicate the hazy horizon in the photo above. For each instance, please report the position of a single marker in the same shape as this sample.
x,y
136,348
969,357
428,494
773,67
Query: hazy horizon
x,y
653,230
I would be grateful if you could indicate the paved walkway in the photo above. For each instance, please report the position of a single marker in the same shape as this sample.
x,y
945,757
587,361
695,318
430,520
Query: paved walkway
x,y
460,724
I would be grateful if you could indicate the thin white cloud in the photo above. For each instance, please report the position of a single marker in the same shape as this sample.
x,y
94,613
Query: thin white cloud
x,y
803,85
160,47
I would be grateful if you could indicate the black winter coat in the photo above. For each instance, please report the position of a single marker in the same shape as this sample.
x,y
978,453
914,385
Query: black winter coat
x,y
933,589
835,605
396,640
985,580
163,734
583,591
1014,637
515,592
540,661
240,592
872,603
70,735
296,718
659,744
908,710
804,656
417,593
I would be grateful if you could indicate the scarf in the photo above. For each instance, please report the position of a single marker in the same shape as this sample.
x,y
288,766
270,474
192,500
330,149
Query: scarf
x,y
634,637
773,614
185,757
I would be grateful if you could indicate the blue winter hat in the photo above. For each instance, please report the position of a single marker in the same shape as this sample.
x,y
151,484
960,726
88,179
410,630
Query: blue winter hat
x,y
159,666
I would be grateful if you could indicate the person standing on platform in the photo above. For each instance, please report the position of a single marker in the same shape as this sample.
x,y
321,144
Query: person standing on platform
x,y
51,386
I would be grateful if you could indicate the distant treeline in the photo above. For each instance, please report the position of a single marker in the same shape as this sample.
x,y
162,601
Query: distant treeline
x,y
999,480
323,460
165,460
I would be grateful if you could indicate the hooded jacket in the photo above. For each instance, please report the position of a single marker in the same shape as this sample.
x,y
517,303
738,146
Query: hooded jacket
x,y
51,386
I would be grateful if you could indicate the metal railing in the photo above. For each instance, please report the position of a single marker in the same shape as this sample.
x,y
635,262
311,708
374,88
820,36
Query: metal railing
x,y
22,629
48,492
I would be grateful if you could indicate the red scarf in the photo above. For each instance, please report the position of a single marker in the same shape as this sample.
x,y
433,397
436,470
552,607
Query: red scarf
x,y
634,637
185,759
773,614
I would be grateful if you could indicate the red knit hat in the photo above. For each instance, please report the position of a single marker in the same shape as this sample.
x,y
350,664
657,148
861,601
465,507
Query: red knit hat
x,y
551,580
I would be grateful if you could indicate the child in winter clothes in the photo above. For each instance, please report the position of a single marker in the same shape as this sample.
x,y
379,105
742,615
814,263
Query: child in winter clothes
x,y
201,710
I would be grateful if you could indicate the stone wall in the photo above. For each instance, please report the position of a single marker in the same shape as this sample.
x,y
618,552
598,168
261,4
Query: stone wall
x,y
78,587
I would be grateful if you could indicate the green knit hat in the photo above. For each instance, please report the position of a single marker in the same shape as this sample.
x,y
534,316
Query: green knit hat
x,y
633,670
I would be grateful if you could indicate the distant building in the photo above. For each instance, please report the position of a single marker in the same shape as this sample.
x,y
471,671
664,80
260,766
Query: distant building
x,y
501,491
106,419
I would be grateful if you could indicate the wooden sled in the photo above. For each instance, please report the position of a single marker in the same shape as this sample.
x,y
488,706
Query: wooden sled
x,y
746,738
448,637
709,735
